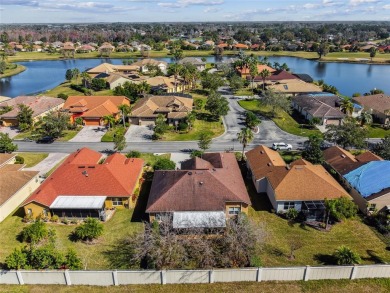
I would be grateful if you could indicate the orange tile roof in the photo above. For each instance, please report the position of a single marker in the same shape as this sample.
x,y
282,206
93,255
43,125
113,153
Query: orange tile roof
x,y
260,68
96,106
81,174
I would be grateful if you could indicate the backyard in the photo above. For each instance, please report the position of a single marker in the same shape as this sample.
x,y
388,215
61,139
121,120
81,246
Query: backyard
x,y
283,120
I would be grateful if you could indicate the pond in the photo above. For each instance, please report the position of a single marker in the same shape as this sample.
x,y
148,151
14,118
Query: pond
x,y
348,78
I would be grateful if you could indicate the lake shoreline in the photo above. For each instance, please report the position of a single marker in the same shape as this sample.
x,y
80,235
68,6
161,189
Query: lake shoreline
x,y
19,69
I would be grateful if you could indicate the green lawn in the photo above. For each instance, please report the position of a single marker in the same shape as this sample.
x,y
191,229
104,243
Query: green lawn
x,y
326,286
68,135
244,92
64,88
215,128
92,256
109,135
283,119
151,159
376,131
317,245
22,135
31,159
13,69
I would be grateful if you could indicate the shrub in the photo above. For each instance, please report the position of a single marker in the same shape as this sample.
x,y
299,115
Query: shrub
x,y
16,260
79,121
45,257
345,256
291,214
196,153
19,160
23,127
73,262
91,229
54,219
164,164
341,208
34,232
182,126
133,154
62,96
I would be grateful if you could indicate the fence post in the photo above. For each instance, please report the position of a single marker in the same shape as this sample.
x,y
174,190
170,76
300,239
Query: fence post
x,y
115,277
211,276
20,277
67,278
353,272
306,275
163,277
259,274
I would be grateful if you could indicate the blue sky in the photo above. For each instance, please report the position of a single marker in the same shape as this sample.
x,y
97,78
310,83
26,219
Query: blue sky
x,y
49,11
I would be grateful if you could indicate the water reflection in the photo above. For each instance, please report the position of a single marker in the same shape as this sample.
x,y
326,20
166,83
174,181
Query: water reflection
x,y
321,69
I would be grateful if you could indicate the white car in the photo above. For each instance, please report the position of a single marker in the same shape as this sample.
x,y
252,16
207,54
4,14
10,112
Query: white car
x,y
281,146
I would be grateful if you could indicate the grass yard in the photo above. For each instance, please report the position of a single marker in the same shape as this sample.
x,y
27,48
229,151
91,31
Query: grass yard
x,y
68,135
151,159
215,128
335,286
109,135
13,69
376,131
92,256
64,88
317,246
244,92
283,120
31,159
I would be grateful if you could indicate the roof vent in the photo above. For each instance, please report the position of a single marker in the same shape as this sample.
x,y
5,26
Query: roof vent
x,y
200,182
91,167
268,164
288,167
189,173
261,152
343,156
85,173
81,166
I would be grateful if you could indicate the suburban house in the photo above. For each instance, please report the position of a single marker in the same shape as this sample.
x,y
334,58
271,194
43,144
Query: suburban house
x,y
174,108
197,62
92,109
164,84
115,79
323,107
300,185
15,185
366,176
203,193
41,106
245,72
87,185
377,105
145,63
293,87
111,68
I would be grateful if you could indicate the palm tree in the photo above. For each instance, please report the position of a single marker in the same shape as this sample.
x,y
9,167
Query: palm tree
x,y
345,256
75,74
174,69
346,106
365,118
245,136
264,74
85,78
143,88
125,110
191,118
109,120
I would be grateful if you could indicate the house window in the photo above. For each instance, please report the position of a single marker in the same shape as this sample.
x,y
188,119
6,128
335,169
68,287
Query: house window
x,y
234,210
289,205
117,201
44,212
29,212
371,207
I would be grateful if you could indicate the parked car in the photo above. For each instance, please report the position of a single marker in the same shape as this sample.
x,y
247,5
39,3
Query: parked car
x,y
281,146
46,139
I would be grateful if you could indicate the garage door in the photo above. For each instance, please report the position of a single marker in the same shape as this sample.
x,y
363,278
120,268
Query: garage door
x,y
332,122
146,122
134,121
92,122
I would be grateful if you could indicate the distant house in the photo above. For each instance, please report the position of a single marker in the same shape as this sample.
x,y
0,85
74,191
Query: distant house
x,y
200,65
325,108
15,185
85,49
174,108
164,84
41,106
204,193
81,187
106,47
240,46
145,63
366,176
92,109
111,68
299,185
245,72
377,105
293,87
115,80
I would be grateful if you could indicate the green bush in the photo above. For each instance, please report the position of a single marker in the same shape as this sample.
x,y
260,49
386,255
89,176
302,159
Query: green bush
x,y
182,126
341,208
62,96
164,164
79,121
16,260
34,232
196,153
73,262
19,160
54,219
91,229
291,214
133,154
345,256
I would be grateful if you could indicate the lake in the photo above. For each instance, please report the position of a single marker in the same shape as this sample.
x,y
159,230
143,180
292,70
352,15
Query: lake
x,y
348,78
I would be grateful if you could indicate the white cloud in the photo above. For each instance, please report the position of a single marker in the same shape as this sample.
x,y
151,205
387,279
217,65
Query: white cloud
x,y
387,6
20,2
310,6
186,3
360,2
211,10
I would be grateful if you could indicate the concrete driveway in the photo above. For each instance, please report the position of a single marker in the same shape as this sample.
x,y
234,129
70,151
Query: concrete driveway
x,y
90,134
138,133
12,131
48,163
178,158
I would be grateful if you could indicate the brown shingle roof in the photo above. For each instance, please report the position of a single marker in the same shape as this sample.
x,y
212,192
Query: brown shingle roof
x,y
39,105
12,181
380,102
321,107
4,158
204,189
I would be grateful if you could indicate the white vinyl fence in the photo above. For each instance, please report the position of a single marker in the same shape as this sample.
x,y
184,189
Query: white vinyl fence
x,y
109,278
